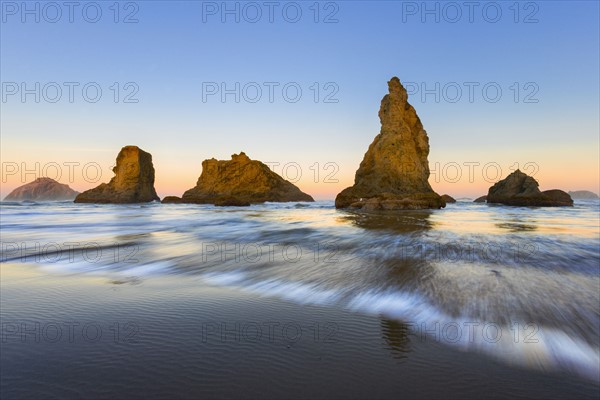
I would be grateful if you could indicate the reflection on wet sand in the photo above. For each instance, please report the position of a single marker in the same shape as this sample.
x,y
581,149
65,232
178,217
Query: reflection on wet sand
x,y
516,224
470,263
517,227
400,222
395,334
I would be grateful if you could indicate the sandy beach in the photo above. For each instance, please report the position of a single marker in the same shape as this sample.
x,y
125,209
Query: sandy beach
x,y
74,335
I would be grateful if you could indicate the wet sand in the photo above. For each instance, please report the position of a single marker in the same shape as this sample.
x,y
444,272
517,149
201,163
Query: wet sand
x,y
80,335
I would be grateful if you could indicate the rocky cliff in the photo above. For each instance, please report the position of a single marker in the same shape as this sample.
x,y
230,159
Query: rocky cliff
x,y
42,189
241,181
133,181
394,172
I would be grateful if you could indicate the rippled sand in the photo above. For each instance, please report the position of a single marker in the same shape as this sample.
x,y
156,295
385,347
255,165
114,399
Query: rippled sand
x,y
165,337
518,286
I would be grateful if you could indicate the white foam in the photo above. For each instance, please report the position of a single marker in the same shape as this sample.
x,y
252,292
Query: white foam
x,y
293,291
225,278
147,269
547,349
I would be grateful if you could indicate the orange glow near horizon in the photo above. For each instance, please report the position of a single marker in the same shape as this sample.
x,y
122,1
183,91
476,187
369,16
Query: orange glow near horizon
x,y
174,183
175,175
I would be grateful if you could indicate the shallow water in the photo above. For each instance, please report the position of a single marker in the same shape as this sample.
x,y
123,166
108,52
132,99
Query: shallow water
x,y
519,284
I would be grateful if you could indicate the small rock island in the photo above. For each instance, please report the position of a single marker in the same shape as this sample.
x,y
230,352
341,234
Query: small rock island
x,y
239,182
133,181
42,189
394,172
448,199
583,195
520,189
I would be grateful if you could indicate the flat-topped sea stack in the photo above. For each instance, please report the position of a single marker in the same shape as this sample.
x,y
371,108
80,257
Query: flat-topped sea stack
x,y
241,181
394,172
520,189
42,189
133,181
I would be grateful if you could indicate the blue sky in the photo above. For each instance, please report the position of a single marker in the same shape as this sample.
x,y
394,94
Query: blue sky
x,y
177,48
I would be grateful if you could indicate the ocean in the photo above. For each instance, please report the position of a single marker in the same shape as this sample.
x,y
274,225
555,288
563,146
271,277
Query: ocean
x,y
517,286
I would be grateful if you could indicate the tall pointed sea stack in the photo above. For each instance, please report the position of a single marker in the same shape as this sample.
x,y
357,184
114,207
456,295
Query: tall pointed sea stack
x,y
133,181
394,172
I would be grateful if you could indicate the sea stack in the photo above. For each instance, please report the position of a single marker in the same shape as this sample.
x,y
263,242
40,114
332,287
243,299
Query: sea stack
x,y
394,172
42,189
241,181
520,189
448,199
133,181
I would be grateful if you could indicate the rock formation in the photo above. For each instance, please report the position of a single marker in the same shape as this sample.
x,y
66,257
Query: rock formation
x,y
519,189
394,171
448,199
232,202
583,195
481,199
240,181
172,200
559,197
133,181
42,189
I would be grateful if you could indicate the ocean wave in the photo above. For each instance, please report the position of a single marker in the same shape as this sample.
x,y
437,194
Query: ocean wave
x,y
468,264
519,342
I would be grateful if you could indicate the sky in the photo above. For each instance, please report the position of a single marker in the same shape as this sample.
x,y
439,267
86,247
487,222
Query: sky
x,y
497,85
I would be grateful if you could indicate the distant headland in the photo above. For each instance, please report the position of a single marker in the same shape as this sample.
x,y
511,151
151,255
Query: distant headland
x,y
42,189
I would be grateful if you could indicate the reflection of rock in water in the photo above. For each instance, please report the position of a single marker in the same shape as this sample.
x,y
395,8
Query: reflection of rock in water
x,y
128,280
517,226
401,221
407,270
395,334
